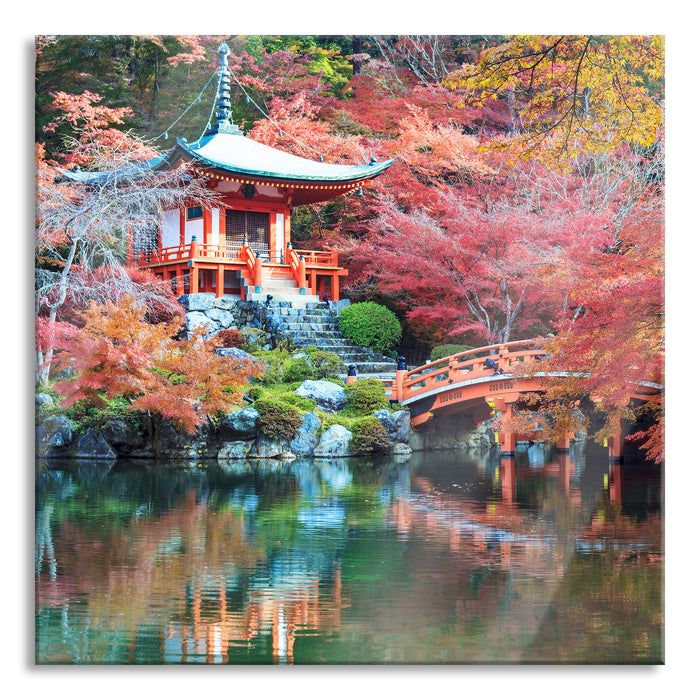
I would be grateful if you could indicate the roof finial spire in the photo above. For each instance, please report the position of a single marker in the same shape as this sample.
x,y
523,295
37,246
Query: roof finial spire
x,y
223,99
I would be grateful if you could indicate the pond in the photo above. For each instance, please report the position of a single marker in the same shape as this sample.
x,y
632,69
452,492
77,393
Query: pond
x,y
436,558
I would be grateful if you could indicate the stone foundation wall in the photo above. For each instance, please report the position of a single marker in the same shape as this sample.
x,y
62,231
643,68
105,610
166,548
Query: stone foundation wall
x,y
236,437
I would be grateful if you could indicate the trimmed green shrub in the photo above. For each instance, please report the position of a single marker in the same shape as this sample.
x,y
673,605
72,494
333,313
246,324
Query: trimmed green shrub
x,y
440,351
369,435
366,396
370,325
314,364
324,364
274,362
278,419
297,369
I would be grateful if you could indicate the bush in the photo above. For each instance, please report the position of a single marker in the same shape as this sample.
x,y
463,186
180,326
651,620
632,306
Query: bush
x,y
324,364
275,362
366,396
253,339
370,325
278,419
229,338
369,435
440,351
314,364
303,403
297,369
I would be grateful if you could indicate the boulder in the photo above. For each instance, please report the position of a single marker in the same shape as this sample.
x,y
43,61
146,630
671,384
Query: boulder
x,y
123,436
240,424
306,439
401,448
403,425
269,448
238,449
197,302
328,396
222,317
92,445
42,401
197,319
54,436
334,443
177,443
388,422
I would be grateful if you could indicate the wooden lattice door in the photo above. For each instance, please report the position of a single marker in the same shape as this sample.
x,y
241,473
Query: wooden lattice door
x,y
254,225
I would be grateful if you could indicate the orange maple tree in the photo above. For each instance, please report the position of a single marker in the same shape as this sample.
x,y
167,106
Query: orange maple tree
x,y
118,354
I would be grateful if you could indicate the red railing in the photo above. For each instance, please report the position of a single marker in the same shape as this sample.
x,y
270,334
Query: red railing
x,y
220,253
467,365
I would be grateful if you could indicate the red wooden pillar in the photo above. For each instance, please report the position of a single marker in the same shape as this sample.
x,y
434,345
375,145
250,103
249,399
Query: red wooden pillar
x,y
219,280
301,275
615,448
335,287
258,273
312,281
182,227
179,280
206,224
130,257
564,442
507,437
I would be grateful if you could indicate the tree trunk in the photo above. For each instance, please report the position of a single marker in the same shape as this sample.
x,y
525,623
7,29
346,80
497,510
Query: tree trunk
x,y
356,49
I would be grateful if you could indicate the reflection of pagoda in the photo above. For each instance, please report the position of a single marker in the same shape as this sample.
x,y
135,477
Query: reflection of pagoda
x,y
242,245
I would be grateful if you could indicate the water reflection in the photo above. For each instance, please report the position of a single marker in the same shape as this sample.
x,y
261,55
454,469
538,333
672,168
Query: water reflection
x,y
441,558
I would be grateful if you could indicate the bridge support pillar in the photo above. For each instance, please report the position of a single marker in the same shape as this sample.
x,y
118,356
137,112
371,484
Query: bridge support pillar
x,y
506,438
615,444
564,442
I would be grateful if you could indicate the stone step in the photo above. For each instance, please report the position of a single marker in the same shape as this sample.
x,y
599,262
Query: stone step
x,y
377,370
297,300
309,329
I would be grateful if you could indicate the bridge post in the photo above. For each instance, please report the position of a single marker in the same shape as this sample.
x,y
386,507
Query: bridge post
x,y
400,375
507,437
564,442
615,445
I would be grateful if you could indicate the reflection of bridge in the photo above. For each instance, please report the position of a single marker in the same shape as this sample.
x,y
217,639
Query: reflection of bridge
x,y
468,382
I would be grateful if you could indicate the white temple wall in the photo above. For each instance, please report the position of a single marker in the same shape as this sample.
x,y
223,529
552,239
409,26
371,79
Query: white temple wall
x,y
215,226
171,228
194,228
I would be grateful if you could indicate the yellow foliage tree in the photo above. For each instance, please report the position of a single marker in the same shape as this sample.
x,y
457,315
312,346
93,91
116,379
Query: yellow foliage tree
x,y
572,94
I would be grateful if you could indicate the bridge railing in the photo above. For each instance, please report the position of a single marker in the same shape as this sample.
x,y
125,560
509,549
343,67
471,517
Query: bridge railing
x,y
469,364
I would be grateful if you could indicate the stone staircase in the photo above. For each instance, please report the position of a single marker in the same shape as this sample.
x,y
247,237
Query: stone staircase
x,y
311,323
282,289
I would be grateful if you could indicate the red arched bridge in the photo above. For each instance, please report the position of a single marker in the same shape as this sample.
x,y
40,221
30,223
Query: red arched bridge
x,y
480,380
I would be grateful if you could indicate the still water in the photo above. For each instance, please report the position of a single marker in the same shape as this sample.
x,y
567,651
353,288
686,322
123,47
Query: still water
x,y
439,558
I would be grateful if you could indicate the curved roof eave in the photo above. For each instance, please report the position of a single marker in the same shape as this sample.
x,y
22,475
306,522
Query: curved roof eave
x,y
219,153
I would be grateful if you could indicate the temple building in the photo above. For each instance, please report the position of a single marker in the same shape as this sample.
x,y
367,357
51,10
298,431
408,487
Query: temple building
x,y
242,246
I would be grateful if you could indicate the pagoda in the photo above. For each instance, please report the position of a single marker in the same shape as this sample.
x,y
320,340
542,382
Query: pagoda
x,y
242,245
